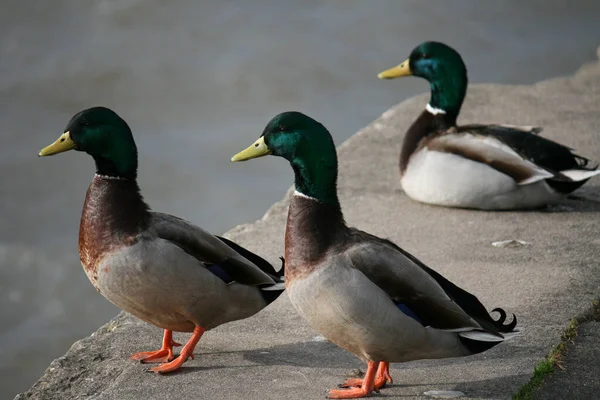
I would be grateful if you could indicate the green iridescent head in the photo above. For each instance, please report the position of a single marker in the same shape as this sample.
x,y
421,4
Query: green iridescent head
x,y
105,136
442,67
309,148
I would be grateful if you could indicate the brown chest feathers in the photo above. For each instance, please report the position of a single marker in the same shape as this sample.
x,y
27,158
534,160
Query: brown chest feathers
x,y
114,214
426,124
313,229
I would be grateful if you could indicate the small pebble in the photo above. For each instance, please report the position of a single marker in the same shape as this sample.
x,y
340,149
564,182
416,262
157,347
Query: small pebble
x,y
511,243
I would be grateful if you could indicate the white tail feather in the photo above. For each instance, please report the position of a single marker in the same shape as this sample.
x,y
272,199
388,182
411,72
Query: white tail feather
x,y
510,335
579,174
482,336
459,330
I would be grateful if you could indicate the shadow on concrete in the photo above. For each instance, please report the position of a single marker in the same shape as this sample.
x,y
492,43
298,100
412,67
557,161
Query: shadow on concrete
x,y
305,354
327,354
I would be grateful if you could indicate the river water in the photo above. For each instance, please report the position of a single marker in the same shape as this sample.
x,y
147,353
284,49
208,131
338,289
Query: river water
x,y
197,81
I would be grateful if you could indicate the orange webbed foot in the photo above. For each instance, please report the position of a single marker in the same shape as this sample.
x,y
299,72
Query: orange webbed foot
x,y
165,353
170,366
363,389
186,352
352,382
381,378
158,356
352,393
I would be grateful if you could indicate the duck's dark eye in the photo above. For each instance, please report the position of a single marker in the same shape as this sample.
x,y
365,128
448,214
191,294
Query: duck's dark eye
x,y
281,128
424,56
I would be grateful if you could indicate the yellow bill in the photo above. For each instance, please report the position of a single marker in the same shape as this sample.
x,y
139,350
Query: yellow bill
x,y
396,72
257,149
63,143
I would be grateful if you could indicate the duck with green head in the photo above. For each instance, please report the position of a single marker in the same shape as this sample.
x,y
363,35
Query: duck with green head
x,y
364,293
490,167
155,266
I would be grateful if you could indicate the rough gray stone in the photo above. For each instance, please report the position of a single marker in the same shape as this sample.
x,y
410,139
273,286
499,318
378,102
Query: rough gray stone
x,y
274,355
579,375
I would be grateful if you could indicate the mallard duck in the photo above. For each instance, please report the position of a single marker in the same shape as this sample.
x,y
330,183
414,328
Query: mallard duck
x,y
490,167
364,293
155,266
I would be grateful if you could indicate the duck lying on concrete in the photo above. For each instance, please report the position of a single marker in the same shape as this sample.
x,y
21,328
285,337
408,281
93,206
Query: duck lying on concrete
x,y
489,167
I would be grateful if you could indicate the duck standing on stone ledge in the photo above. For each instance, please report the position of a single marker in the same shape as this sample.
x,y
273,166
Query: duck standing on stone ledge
x,y
489,167
155,266
364,293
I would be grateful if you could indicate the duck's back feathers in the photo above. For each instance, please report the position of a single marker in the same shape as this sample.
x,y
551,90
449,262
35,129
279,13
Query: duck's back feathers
x,y
468,302
523,148
492,152
209,249
432,300
527,142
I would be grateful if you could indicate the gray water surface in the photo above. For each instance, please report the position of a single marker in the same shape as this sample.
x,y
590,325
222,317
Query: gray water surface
x,y
197,81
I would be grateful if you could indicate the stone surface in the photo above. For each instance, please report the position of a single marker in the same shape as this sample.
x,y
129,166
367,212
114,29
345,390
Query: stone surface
x,y
579,375
274,355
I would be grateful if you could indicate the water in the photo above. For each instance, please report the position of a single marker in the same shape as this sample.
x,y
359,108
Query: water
x,y
197,81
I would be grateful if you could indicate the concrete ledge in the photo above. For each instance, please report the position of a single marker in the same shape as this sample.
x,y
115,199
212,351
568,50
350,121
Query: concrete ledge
x,y
274,355
577,380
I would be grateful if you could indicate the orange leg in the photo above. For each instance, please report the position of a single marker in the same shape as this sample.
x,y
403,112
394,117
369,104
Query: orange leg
x,y
365,389
186,352
165,353
383,375
381,378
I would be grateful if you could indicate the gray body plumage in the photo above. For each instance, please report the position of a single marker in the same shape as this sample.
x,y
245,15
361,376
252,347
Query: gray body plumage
x,y
347,308
348,294
156,268
160,283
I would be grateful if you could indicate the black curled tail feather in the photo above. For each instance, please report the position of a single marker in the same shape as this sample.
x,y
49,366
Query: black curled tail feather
x,y
281,272
499,327
584,163
499,323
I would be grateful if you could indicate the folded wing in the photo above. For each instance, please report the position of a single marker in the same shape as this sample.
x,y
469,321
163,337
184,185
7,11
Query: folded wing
x,y
209,249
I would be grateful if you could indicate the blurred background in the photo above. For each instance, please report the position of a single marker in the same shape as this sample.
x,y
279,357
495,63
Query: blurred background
x,y
197,81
